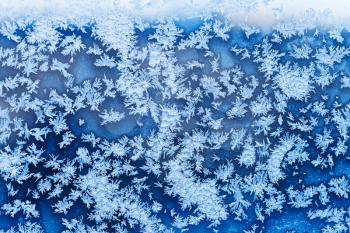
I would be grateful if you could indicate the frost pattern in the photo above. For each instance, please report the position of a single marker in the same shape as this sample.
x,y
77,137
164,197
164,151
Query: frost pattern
x,y
122,125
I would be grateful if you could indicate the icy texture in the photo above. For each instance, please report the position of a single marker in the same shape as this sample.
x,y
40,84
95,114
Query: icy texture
x,y
123,125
